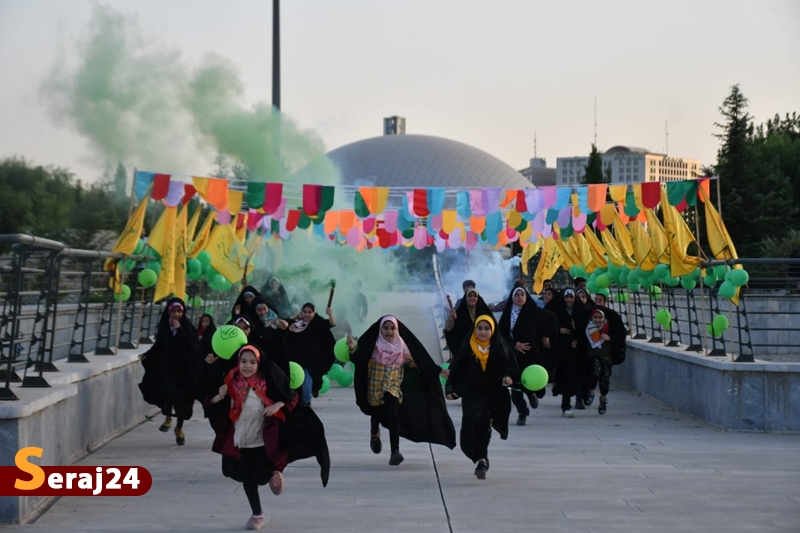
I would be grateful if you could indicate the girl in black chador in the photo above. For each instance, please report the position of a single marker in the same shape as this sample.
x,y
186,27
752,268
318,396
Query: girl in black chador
x,y
309,343
479,375
462,319
532,335
276,297
260,428
397,386
170,367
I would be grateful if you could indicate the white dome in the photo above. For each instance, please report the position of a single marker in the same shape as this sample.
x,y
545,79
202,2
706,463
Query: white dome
x,y
422,161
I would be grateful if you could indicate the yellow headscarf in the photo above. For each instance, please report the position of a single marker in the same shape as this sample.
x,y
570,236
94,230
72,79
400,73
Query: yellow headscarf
x,y
481,349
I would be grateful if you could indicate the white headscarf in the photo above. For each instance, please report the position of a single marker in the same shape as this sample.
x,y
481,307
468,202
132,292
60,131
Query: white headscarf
x,y
393,354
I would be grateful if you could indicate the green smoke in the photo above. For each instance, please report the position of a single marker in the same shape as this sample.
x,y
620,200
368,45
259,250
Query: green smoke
x,y
146,106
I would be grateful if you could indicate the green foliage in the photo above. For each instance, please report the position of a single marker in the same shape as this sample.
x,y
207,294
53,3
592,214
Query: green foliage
x,y
759,171
594,169
48,202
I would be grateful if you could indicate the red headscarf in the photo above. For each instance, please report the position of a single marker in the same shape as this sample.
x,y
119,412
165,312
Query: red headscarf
x,y
239,386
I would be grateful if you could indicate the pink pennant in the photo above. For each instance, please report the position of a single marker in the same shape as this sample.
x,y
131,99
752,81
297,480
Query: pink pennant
x,y
547,231
472,240
420,238
266,223
533,199
538,223
441,244
223,217
369,224
491,200
354,237
549,197
564,217
282,231
436,222
476,203
512,234
579,222
455,239
390,220
280,212
253,219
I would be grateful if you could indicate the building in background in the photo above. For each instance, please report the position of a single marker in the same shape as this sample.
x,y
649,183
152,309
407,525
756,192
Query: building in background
x,y
538,173
628,164
394,125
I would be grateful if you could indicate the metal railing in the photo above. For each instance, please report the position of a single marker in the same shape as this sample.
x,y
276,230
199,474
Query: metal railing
x,y
56,303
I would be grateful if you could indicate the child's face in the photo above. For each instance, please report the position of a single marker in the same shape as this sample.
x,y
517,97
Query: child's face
x,y
176,313
519,298
244,326
582,297
483,330
308,314
388,330
205,321
600,299
248,298
569,300
598,319
262,310
248,364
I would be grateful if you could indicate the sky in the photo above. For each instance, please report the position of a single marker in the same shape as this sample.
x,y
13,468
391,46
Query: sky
x,y
489,74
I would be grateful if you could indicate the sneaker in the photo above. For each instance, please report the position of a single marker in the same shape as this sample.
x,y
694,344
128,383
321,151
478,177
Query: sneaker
x,y
255,522
375,444
589,400
602,408
567,413
534,401
306,404
180,438
276,483
481,469
396,458
165,426
579,404
521,420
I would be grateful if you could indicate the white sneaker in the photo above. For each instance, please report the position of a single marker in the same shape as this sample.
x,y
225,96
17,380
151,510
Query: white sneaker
x,y
568,414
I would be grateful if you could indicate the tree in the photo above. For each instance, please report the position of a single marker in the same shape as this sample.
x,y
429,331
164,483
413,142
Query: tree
x,y
121,182
593,172
221,167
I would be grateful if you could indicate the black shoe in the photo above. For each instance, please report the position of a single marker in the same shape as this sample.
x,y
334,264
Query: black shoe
x,y
480,470
306,404
375,444
556,390
534,401
579,404
315,394
521,420
602,408
541,393
589,400
396,458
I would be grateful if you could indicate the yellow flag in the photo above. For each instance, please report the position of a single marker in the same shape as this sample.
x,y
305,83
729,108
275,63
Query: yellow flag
x,y
615,256
167,276
680,237
584,252
228,254
528,252
192,226
718,238
567,259
129,238
202,236
178,287
158,236
549,262
596,247
642,247
658,237
623,237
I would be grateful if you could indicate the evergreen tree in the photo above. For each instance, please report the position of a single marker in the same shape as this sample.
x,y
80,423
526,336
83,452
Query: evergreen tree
x,y
593,172
121,182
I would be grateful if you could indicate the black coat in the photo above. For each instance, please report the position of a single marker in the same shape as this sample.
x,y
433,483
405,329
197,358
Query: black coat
x,y
423,413
532,325
312,349
481,390
170,367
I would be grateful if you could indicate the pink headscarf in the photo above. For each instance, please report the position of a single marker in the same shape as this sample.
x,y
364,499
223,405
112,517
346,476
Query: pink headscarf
x,y
393,354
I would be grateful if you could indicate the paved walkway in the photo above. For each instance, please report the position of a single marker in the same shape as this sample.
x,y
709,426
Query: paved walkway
x,y
639,468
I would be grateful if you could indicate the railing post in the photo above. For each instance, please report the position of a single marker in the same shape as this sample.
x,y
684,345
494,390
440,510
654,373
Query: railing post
x,y
77,355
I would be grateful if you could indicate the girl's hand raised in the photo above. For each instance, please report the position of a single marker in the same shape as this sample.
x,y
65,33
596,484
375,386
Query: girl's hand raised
x,y
270,410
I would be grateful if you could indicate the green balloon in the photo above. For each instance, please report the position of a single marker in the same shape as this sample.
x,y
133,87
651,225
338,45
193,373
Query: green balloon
x,y
688,283
661,272
663,317
534,378
655,292
605,292
720,323
602,281
591,288
155,266
727,289
623,297
296,375
345,378
720,271
739,277
194,276
695,274
709,280
194,266
148,277
139,247
195,301
634,287
711,330
326,385
672,282
126,294
129,265
227,340
341,350
335,370
204,258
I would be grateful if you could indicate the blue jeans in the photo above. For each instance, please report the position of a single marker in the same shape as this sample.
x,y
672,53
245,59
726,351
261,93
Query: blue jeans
x,y
305,388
